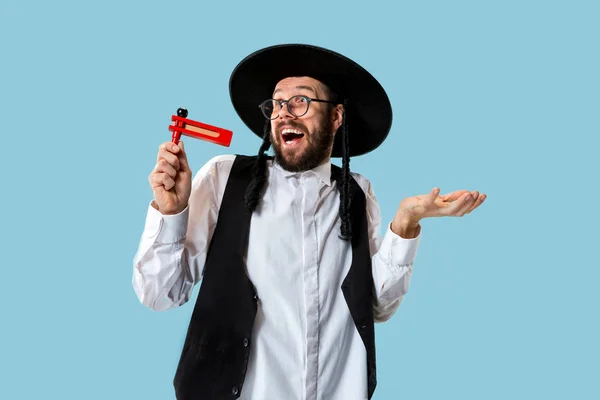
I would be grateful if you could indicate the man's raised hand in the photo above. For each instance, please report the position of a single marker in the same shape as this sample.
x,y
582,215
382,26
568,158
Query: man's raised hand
x,y
454,204
171,179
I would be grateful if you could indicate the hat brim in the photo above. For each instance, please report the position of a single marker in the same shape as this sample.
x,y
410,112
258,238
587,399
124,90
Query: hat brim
x,y
368,114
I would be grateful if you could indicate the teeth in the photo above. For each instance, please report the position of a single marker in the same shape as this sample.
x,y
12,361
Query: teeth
x,y
295,131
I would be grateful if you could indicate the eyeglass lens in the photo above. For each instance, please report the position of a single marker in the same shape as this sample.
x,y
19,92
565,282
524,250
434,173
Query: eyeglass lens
x,y
297,105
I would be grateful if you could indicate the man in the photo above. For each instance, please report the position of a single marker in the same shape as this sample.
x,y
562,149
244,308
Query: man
x,y
293,270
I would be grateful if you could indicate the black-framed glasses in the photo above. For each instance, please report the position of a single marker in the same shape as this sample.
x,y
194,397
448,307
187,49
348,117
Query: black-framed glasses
x,y
297,106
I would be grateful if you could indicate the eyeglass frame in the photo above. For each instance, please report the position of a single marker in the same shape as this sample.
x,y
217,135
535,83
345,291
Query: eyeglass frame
x,y
309,99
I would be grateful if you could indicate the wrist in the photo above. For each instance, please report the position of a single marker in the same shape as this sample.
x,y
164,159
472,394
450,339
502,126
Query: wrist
x,y
167,211
405,227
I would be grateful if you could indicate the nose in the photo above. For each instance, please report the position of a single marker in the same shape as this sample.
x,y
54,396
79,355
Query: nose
x,y
284,112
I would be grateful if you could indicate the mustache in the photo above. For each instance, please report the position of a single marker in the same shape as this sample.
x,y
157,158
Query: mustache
x,y
290,124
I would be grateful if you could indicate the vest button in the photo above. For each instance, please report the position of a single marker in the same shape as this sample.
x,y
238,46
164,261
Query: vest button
x,y
246,342
255,297
234,390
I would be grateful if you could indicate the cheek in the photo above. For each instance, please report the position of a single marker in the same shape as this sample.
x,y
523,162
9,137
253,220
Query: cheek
x,y
273,131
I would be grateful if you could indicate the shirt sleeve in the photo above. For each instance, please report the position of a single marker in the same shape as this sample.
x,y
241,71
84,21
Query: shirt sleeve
x,y
393,258
172,250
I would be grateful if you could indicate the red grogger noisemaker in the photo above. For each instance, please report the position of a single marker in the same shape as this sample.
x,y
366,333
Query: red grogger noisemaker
x,y
183,126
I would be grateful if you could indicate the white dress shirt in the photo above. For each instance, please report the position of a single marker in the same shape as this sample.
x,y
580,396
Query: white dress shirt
x,y
304,342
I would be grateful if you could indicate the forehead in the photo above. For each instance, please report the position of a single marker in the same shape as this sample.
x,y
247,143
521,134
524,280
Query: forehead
x,y
298,84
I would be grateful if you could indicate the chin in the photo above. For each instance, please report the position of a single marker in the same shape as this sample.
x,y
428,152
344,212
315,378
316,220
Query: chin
x,y
301,158
292,164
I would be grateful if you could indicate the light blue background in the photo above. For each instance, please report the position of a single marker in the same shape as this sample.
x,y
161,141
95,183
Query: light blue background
x,y
502,97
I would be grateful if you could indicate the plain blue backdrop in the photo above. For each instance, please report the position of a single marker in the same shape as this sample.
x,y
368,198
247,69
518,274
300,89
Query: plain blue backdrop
x,y
501,97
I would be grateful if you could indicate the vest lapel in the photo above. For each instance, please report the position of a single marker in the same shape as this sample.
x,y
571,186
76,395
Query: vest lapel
x,y
217,346
358,283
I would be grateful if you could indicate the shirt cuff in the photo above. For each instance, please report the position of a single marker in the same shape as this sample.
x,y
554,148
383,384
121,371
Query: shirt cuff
x,y
166,228
398,250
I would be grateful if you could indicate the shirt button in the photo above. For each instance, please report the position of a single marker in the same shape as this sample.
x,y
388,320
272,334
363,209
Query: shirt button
x,y
246,342
234,390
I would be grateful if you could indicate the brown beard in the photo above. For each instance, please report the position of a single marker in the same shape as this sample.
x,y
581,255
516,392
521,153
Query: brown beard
x,y
314,154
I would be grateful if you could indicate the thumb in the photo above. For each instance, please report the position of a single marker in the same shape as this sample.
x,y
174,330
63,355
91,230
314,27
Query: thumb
x,y
430,198
183,157
434,193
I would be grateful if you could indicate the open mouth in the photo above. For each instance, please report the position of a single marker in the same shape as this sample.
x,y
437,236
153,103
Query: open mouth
x,y
291,136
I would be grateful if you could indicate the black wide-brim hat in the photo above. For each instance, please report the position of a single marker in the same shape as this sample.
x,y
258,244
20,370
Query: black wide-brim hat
x,y
368,113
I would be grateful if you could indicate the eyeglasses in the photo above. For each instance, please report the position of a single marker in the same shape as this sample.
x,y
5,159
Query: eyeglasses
x,y
297,106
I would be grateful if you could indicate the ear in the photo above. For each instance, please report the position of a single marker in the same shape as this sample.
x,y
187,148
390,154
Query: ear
x,y
337,116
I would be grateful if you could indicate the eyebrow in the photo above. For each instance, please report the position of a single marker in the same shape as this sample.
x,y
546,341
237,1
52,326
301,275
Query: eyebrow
x,y
301,87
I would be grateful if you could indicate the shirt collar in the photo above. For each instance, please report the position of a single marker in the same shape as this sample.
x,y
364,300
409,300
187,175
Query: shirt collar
x,y
323,172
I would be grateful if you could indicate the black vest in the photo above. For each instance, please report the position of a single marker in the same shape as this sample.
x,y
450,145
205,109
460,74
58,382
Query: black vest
x,y
217,346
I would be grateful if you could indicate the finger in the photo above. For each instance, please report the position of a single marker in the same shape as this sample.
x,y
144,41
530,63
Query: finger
x,y
158,179
453,196
471,204
164,166
477,198
161,179
460,206
468,205
169,146
166,153
478,202
465,205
